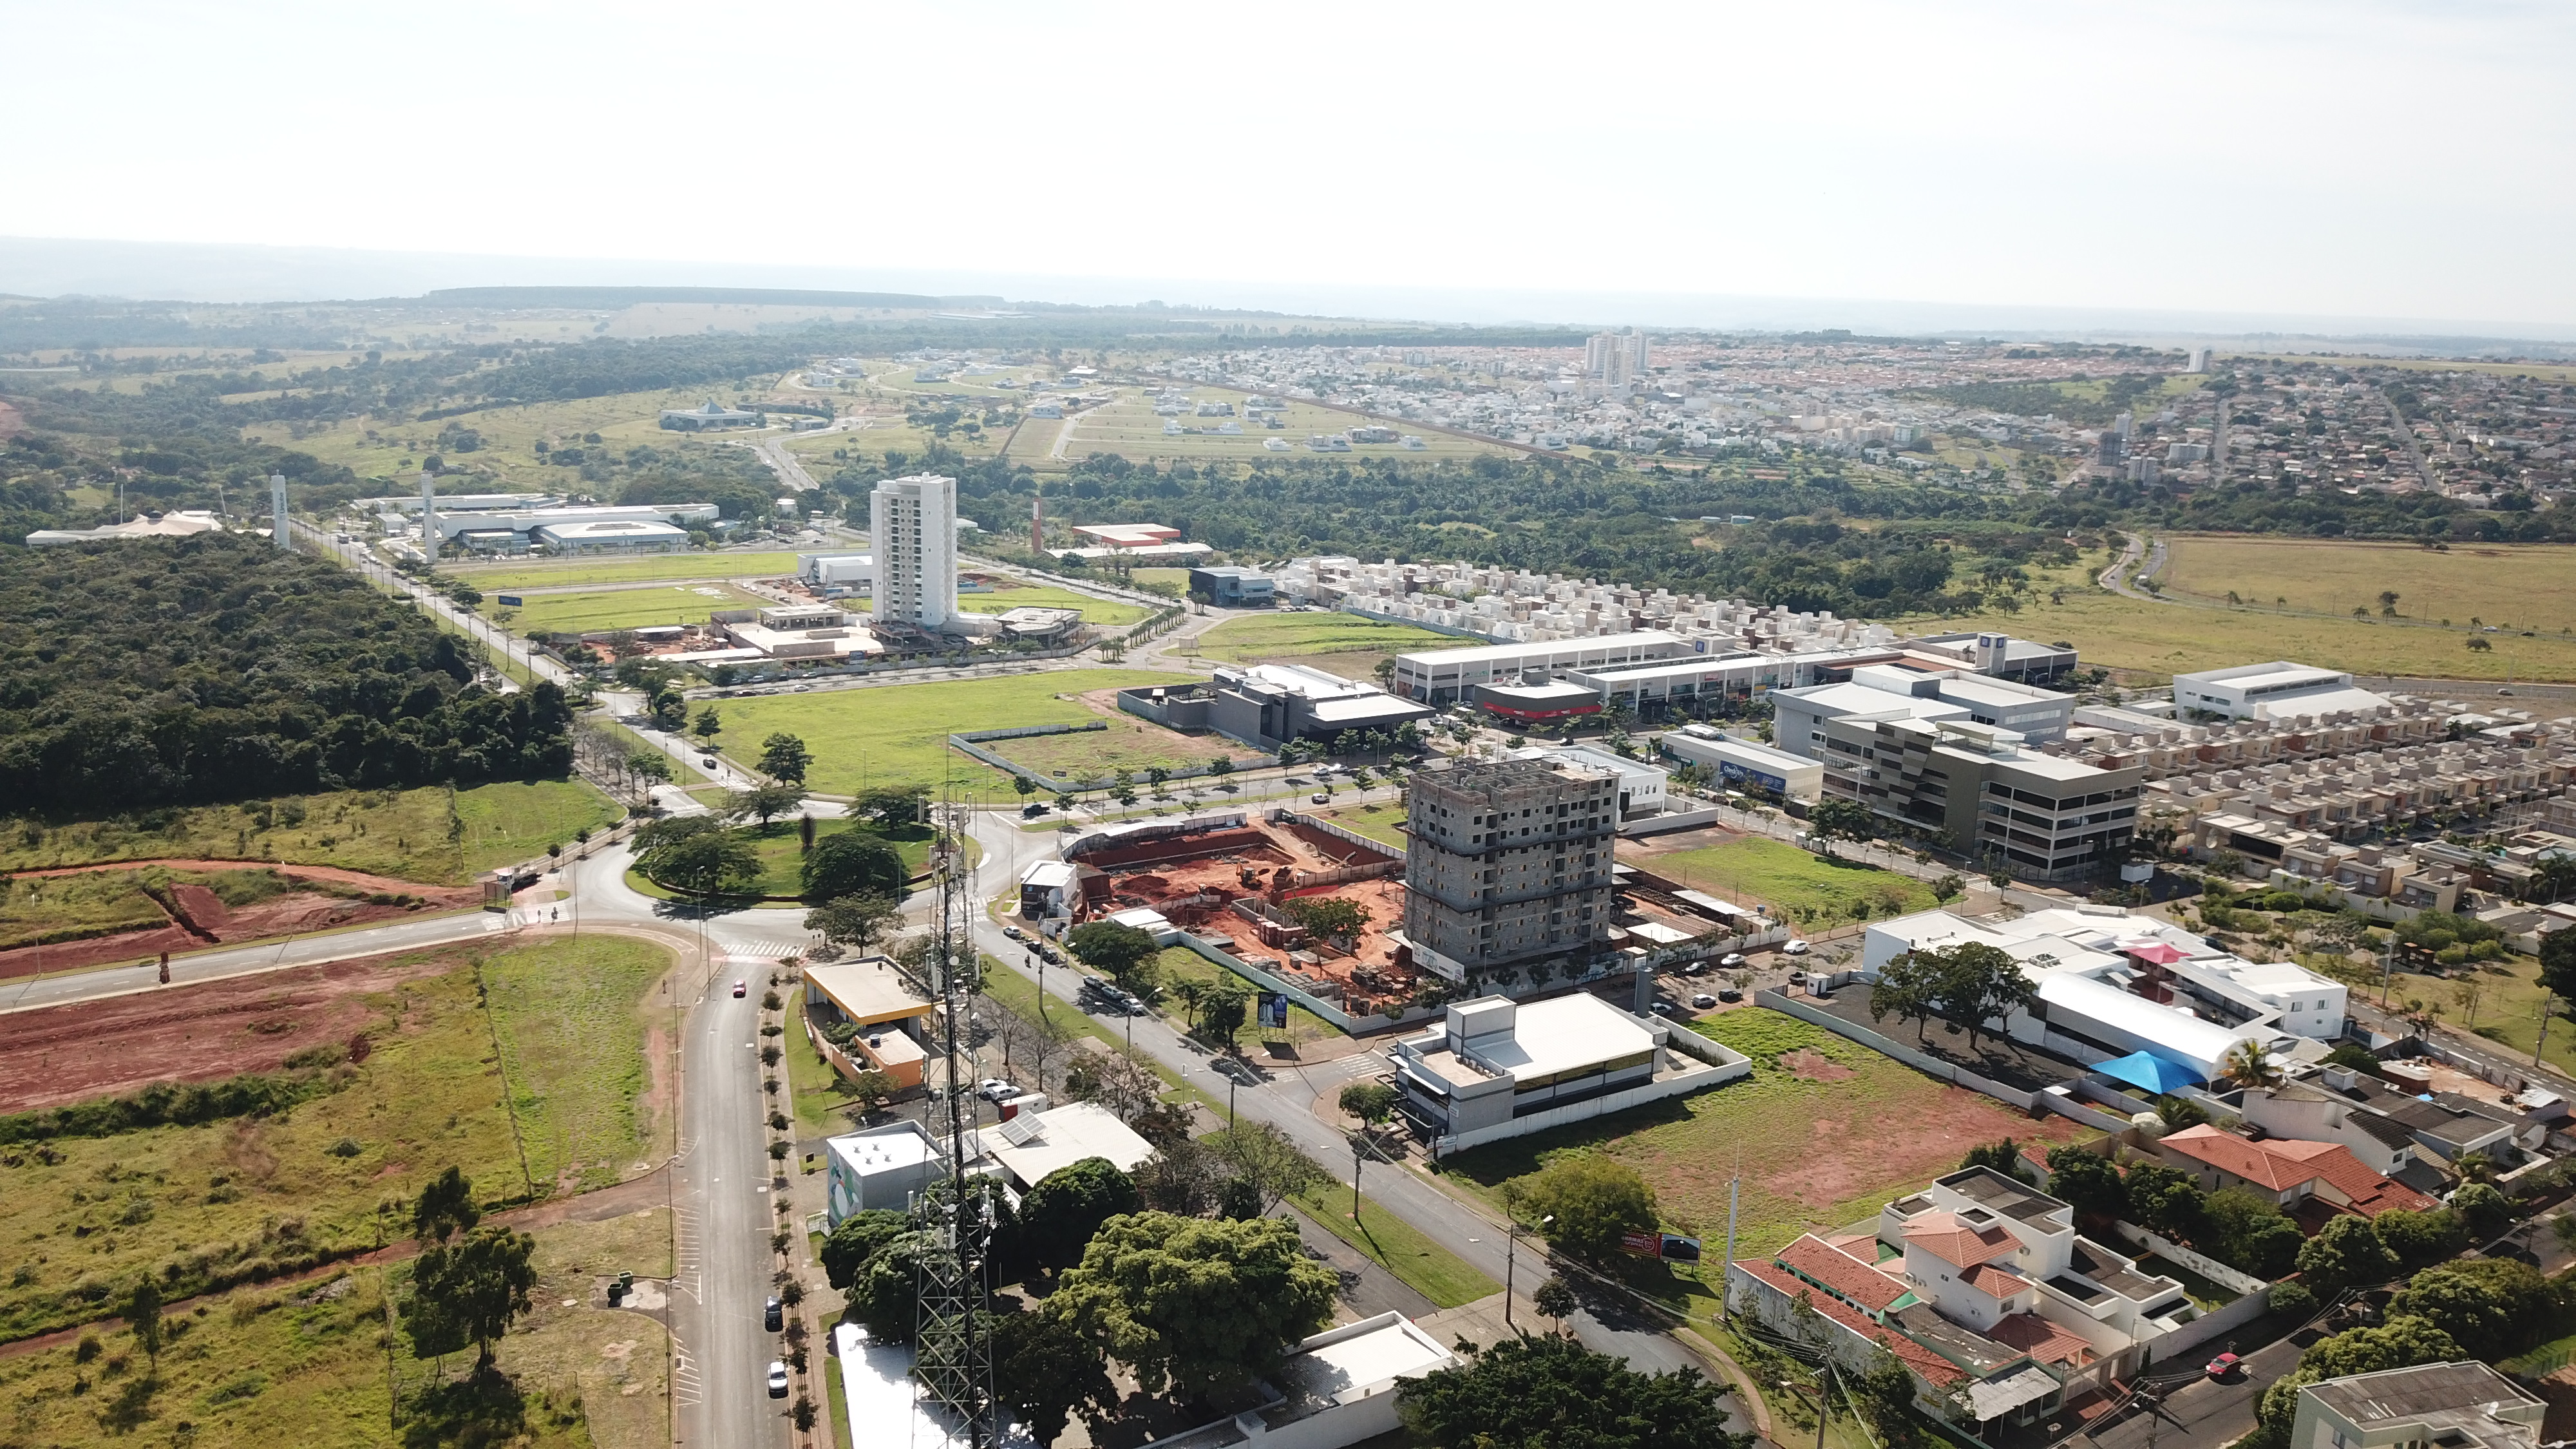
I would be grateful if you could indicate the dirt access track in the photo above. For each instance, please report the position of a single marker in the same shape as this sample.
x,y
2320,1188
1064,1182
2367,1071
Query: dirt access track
x,y
209,922
57,1054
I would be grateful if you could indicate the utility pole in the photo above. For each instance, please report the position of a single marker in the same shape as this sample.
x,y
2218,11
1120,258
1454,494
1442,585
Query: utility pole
x,y
1825,1402
2548,1009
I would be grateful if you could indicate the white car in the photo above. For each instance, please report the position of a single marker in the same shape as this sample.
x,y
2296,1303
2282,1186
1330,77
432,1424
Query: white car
x,y
1703,1001
1796,948
777,1379
1732,960
994,1089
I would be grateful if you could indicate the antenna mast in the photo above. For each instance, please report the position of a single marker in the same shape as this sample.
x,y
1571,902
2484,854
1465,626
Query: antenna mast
x,y
955,1355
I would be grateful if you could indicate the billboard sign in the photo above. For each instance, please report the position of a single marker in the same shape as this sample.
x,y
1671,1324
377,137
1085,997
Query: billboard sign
x,y
1671,1247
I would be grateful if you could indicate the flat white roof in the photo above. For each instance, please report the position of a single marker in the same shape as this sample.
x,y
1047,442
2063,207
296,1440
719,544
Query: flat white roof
x,y
2272,671
2202,1044
1065,1136
867,990
1343,1364
1842,700
1127,533
1048,875
1486,653
901,1146
879,1391
610,528
1561,1034
2319,702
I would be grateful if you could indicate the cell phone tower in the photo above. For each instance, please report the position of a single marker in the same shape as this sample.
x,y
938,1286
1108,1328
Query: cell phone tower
x,y
277,511
953,1351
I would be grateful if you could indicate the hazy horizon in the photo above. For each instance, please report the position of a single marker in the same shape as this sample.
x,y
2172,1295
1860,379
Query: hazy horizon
x,y
2369,167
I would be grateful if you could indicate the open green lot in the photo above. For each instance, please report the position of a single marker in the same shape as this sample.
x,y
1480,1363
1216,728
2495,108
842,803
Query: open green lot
x,y
898,734
1107,613
1129,743
509,436
1179,963
45,909
436,835
631,607
781,848
1381,823
1255,638
696,564
1396,1245
302,1364
1822,1142
1797,884
2149,643
1128,426
2512,587
245,1197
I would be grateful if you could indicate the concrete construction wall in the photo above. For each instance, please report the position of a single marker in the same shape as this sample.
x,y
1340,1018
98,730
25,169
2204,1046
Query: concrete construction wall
x,y
1732,1065
1585,1111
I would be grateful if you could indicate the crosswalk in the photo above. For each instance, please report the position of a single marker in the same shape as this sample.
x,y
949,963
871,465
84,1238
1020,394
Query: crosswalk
x,y
749,952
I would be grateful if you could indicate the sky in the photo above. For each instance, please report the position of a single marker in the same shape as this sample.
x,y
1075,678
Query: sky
x,y
2352,159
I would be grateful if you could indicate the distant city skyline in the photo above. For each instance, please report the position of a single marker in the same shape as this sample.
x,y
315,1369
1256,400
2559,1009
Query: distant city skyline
x,y
2373,164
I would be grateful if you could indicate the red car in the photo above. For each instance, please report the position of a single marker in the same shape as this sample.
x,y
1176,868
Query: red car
x,y
2224,1366
741,988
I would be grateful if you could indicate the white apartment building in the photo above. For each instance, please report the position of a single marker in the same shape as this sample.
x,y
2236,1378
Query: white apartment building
x,y
2271,690
913,529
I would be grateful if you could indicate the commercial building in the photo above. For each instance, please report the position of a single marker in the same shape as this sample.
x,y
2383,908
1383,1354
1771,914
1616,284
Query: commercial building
x,y
1643,786
1538,700
1900,690
1231,587
879,1169
512,530
1745,763
606,535
2112,985
891,1020
1333,1390
1126,535
828,573
1268,705
1447,676
2000,656
2270,691
912,523
812,632
712,417
1508,872
1984,1289
1497,1068
2051,818
2464,1405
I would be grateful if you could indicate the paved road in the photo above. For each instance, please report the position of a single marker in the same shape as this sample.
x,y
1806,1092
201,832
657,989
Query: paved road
x,y
33,993
2202,1412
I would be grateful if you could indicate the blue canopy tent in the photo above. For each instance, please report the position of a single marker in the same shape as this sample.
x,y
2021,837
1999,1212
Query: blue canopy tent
x,y
2146,1069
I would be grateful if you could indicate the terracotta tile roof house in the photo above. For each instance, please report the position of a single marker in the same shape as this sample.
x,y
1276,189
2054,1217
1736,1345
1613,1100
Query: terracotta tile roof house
x,y
1854,1279
1931,1367
2042,1340
2291,1171
1953,1242
1992,1281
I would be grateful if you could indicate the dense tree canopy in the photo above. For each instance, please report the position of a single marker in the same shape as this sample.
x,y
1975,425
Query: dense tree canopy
x,y
1553,1393
1194,1306
216,668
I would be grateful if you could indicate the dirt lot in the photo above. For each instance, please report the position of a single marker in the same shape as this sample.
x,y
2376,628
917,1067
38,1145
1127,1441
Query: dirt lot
x,y
199,1033
207,921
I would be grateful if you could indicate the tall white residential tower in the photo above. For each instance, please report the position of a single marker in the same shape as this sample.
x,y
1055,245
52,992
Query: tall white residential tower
x,y
912,526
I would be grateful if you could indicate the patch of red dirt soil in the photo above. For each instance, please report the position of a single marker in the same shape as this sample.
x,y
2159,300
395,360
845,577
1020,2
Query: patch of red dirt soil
x,y
1808,1064
53,1055
294,913
1850,1155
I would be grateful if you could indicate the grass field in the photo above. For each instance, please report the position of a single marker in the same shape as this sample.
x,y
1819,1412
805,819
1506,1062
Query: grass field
x,y
1256,637
1377,822
509,434
1106,613
2547,371
43,910
711,564
302,1364
1814,1153
2151,642
434,835
618,608
1128,743
1395,1245
2512,587
898,734
1798,885
252,1196
572,1049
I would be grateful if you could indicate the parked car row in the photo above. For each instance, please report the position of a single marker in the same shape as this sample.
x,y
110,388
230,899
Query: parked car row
x,y
1100,994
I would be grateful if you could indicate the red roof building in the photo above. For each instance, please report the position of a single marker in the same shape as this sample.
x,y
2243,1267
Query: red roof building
x,y
2290,1172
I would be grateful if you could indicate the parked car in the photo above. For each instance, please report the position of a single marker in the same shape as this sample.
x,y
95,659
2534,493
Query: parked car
x,y
994,1089
742,988
1732,960
1730,995
1703,1001
1695,968
1015,933
773,1315
2225,1366
777,1379
1321,797
1661,1008
1796,948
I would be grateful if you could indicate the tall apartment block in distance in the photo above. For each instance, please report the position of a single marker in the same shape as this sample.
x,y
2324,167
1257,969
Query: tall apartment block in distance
x,y
912,528
1507,876
1615,357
